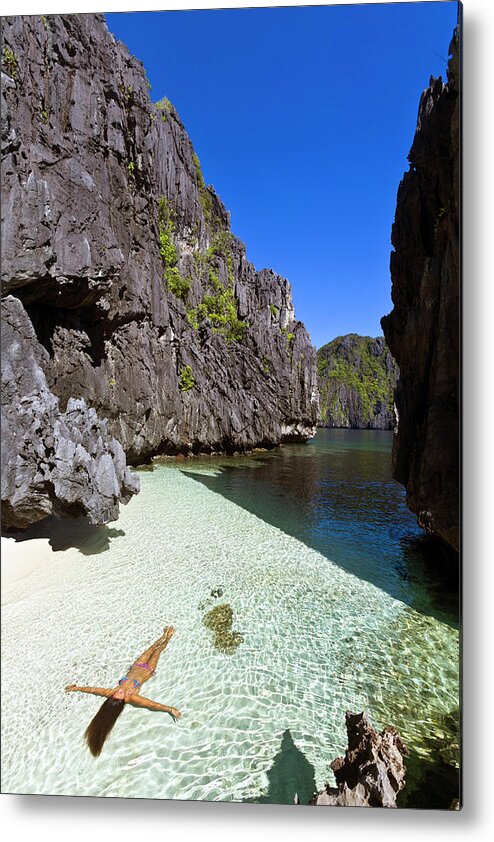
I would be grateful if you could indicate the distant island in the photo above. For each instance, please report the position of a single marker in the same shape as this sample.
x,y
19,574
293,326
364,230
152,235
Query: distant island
x,y
357,376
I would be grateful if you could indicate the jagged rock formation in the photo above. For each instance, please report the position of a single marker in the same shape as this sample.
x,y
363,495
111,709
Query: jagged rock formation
x,y
372,772
124,261
53,462
357,376
423,329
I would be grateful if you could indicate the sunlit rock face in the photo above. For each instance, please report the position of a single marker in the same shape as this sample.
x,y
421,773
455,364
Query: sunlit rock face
x,y
53,462
124,261
423,329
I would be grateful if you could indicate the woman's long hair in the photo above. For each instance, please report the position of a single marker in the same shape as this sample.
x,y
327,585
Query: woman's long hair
x,y
99,727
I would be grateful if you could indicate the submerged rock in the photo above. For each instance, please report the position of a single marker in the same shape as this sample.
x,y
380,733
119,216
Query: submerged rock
x,y
357,376
220,620
423,329
53,462
372,772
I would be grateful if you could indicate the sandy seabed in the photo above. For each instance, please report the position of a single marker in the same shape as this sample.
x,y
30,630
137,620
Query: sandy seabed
x,y
317,641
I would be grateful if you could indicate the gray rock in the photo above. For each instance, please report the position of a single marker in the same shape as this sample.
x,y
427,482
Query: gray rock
x,y
357,377
53,462
423,329
372,772
87,159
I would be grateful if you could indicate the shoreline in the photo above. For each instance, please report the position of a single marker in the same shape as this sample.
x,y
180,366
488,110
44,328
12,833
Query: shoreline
x,y
21,558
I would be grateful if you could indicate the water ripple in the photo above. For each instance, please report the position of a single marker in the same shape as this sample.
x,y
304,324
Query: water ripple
x,y
317,641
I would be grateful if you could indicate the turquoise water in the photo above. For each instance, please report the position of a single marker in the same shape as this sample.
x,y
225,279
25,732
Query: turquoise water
x,y
330,584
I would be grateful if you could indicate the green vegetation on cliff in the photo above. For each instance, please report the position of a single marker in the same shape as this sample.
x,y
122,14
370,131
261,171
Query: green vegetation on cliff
x,y
186,380
178,285
357,376
218,304
9,62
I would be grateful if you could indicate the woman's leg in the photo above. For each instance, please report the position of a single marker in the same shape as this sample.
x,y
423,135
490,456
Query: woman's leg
x,y
153,658
158,644
150,658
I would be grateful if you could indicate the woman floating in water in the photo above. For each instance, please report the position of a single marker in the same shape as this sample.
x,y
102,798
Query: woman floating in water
x,y
126,692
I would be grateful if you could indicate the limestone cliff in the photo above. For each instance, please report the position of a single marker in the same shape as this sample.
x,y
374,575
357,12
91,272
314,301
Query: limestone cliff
x,y
124,260
423,329
357,376
53,462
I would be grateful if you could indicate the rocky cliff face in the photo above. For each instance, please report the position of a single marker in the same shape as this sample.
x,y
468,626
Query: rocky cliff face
x,y
423,329
123,258
357,377
53,462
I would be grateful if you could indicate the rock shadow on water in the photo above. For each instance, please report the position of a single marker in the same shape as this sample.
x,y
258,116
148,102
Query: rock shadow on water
x,y
432,784
426,560
433,774
290,776
76,534
283,492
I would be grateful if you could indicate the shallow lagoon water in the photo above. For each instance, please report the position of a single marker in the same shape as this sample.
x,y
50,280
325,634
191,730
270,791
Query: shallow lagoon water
x,y
324,568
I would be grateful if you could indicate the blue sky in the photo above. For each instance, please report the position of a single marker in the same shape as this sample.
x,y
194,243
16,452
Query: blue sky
x,y
302,118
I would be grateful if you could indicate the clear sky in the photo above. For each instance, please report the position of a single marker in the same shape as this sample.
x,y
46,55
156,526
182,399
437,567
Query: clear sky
x,y
302,118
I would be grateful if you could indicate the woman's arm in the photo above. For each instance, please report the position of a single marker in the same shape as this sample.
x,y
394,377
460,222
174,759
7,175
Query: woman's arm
x,y
141,702
96,691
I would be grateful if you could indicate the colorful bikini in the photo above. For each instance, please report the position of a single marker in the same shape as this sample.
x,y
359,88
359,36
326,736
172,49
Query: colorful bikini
x,y
126,678
134,680
146,666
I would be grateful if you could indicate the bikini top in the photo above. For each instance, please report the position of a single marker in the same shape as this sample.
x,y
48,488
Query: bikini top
x,y
126,678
